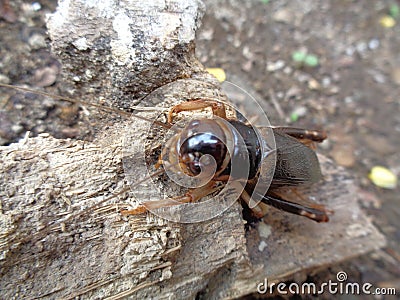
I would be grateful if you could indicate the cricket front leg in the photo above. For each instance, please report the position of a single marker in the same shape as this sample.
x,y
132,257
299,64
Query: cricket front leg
x,y
193,195
217,107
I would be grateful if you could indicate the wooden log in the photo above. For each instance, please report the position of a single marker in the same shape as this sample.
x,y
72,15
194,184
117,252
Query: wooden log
x,y
61,231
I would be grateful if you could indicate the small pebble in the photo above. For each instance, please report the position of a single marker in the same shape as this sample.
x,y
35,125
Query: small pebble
x,y
373,44
333,90
36,6
81,44
89,74
326,81
40,128
274,66
264,230
46,76
4,79
236,42
378,77
283,16
262,246
37,41
293,92
247,66
350,51
48,102
207,34
247,53
348,100
361,47
287,70
280,95
17,128
313,85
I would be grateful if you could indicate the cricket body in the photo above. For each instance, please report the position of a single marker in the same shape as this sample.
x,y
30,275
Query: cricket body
x,y
190,150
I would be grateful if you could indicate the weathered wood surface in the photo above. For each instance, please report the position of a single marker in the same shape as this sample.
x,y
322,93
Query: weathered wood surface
x,y
60,239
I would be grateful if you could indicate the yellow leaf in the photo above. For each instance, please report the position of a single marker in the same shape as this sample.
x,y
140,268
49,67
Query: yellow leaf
x,y
387,21
383,177
218,73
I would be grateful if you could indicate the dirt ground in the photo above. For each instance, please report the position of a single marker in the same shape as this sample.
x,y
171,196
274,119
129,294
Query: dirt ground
x,y
353,93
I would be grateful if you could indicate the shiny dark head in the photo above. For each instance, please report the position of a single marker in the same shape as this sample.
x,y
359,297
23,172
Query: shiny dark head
x,y
199,139
197,146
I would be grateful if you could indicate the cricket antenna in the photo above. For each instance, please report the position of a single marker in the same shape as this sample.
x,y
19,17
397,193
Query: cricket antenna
x,y
83,103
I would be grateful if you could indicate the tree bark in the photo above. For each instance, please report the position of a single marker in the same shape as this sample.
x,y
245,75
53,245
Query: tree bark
x,y
61,231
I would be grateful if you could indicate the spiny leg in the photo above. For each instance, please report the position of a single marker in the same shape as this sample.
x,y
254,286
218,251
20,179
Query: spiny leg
x,y
218,108
193,195
308,203
316,213
303,134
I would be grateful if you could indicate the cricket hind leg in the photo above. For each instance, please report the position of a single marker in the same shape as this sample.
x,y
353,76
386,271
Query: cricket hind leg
x,y
315,212
303,134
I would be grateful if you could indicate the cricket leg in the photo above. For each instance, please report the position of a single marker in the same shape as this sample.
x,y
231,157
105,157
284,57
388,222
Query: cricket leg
x,y
316,213
193,195
299,198
303,134
257,210
218,108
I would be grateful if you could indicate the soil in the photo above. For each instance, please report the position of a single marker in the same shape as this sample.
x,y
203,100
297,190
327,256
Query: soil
x,y
353,93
